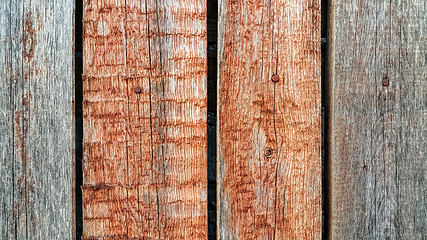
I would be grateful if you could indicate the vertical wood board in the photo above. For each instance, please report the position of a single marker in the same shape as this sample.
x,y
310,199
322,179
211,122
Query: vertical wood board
x,y
145,155
378,122
269,133
36,120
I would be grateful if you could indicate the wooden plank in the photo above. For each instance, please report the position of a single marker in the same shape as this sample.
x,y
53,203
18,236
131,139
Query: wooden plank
x,y
145,157
269,145
36,120
378,130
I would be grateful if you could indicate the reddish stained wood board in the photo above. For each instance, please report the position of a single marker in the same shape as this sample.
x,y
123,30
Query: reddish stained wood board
x,y
145,153
269,132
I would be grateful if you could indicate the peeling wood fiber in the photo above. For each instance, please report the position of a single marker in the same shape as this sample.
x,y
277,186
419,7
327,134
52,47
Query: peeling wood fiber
x,y
269,133
145,157
36,120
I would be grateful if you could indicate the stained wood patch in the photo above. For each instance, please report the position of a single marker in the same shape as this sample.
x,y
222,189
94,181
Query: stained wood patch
x,y
145,156
269,128
379,120
36,120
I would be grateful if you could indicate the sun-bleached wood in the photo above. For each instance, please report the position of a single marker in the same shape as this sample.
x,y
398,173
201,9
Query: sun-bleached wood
x,y
145,157
378,136
269,133
36,120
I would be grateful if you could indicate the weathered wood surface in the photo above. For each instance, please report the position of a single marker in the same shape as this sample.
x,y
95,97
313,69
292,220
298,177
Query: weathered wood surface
x,y
379,133
264,195
36,120
145,157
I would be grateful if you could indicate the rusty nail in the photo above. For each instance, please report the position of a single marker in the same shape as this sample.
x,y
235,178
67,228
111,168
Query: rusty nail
x,y
275,78
138,89
268,152
365,168
386,81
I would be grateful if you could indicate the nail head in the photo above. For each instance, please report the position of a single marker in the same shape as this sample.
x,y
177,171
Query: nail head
x,y
138,89
385,81
275,78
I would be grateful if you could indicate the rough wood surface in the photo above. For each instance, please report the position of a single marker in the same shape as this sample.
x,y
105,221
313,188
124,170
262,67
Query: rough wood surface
x,y
264,195
36,120
145,157
378,135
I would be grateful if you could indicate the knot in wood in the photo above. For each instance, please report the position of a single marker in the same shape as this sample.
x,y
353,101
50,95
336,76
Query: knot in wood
x,y
268,152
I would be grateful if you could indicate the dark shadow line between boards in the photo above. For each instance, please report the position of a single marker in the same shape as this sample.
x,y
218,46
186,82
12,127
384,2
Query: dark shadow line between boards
x,y
325,114
78,106
212,36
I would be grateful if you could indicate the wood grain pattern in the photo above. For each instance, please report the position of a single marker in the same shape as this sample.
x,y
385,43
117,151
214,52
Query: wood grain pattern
x,y
262,196
145,156
36,120
378,136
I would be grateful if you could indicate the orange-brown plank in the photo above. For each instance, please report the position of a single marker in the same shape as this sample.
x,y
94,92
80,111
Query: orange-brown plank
x,y
269,133
145,154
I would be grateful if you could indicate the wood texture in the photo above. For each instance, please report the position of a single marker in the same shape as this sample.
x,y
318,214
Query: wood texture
x,y
262,196
378,135
145,157
36,120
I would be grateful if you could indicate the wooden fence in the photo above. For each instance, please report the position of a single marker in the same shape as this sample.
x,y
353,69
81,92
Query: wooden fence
x,y
317,136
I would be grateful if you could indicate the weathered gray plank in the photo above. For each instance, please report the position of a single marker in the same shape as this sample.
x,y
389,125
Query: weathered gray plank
x,y
37,127
7,225
378,134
